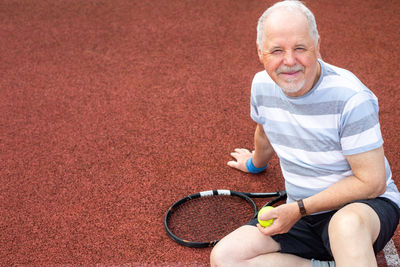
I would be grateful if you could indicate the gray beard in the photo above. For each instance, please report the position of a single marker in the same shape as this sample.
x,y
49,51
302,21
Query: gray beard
x,y
292,87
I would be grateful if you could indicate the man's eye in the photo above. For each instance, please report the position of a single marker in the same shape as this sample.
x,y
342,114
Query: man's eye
x,y
276,51
300,49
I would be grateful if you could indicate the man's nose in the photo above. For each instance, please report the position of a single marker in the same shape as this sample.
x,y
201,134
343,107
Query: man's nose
x,y
289,58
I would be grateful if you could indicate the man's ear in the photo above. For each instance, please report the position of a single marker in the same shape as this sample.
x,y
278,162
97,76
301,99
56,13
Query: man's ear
x,y
259,54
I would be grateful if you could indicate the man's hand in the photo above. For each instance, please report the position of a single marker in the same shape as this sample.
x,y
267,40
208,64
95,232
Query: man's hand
x,y
241,155
261,155
285,216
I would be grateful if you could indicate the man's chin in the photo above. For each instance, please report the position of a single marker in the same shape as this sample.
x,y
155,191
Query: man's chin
x,y
291,88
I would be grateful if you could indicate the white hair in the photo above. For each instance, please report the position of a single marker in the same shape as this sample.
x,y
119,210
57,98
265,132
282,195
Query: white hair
x,y
293,5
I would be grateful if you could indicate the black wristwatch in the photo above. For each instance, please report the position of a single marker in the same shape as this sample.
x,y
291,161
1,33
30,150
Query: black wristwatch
x,y
303,211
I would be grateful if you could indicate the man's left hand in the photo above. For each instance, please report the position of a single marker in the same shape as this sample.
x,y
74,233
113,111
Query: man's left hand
x,y
285,216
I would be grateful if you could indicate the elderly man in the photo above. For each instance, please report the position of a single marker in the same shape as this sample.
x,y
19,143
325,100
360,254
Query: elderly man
x,y
323,124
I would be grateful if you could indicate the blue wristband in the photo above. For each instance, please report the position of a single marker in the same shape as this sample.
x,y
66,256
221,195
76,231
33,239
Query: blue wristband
x,y
253,169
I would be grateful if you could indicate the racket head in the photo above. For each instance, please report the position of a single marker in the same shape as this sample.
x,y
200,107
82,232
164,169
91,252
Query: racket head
x,y
202,219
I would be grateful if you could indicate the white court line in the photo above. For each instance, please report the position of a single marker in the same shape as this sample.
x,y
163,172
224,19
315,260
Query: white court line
x,y
391,255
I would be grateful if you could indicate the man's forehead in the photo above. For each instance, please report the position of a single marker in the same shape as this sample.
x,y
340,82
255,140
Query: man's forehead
x,y
287,24
283,18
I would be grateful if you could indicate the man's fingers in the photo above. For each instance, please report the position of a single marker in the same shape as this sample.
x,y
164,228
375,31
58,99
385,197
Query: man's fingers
x,y
237,165
233,164
240,155
239,152
242,150
235,155
270,230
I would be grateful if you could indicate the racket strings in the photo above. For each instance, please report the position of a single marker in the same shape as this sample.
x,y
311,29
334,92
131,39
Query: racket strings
x,y
209,218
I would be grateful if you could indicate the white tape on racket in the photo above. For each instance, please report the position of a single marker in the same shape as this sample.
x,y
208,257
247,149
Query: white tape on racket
x,y
206,193
224,192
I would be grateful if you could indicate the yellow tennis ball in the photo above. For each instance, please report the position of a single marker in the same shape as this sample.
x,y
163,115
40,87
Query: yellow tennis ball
x,y
262,222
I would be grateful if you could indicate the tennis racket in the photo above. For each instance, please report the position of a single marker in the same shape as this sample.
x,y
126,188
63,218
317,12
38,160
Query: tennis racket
x,y
202,219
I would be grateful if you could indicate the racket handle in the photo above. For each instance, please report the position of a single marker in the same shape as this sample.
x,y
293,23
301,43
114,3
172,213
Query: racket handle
x,y
280,197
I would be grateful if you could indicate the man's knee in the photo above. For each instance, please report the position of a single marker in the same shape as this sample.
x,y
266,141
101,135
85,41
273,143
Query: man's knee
x,y
345,223
226,250
241,245
354,220
218,255
223,253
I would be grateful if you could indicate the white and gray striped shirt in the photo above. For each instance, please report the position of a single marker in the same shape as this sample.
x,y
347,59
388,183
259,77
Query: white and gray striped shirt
x,y
312,134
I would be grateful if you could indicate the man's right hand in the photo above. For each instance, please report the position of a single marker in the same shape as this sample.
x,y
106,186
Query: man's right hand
x,y
241,155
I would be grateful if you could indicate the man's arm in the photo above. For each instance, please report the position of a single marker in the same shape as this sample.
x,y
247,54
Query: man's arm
x,y
368,181
261,155
263,149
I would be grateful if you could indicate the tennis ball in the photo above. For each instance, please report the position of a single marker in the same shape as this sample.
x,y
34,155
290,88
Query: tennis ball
x,y
262,222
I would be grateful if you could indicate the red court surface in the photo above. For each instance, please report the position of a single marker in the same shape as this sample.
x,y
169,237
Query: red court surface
x,y
112,110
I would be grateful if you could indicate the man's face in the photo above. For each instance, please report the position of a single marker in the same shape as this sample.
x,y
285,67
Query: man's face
x,y
289,53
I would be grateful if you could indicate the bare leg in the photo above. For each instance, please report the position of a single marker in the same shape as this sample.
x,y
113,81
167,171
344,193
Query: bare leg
x,y
352,232
247,246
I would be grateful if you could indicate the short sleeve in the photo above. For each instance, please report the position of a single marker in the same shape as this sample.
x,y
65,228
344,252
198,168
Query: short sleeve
x,y
360,129
254,114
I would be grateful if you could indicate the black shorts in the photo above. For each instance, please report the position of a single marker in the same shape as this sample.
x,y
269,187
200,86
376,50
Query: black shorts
x,y
309,238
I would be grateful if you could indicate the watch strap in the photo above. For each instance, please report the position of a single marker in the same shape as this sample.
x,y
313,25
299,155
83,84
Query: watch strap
x,y
303,211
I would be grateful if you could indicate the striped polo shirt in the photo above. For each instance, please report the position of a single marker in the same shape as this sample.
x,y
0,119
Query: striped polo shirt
x,y
313,133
